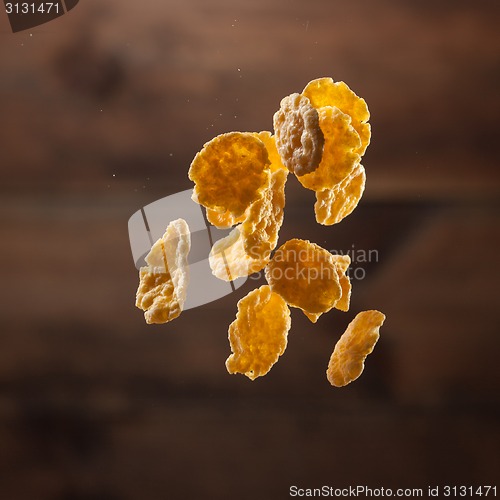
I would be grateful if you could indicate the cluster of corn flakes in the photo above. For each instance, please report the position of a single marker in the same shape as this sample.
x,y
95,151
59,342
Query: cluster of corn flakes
x,y
320,136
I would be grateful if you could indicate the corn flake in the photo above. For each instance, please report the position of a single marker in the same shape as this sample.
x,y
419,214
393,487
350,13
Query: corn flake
x,y
163,282
223,220
348,358
298,135
342,262
305,275
274,157
325,92
229,260
248,247
339,154
258,335
230,172
265,217
333,205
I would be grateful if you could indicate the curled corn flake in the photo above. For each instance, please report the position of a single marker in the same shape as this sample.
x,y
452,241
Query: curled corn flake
x,y
229,260
274,157
325,92
163,282
342,262
230,172
299,138
223,220
247,248
258,335
333,205
264,218
339,154
348,358
305,275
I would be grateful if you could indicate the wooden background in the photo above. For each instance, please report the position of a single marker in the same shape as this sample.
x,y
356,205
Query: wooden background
x,y
102,111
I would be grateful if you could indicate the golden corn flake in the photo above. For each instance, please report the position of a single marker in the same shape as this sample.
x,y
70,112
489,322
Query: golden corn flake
x,y
223,220
230,172
325,92
348,358
163,282
264,218
339,154
305,275
342,262
258,335
247,248
333,205
298,135
229,260
274,157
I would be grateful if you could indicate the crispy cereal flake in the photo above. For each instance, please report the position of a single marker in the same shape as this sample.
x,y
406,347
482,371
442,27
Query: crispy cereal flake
x,y
223,220
342,262
299,137
325,92
229,260
339,155
258,335
305,275
274,157
333,205
163,282
265,217
248,247
348,359
230,172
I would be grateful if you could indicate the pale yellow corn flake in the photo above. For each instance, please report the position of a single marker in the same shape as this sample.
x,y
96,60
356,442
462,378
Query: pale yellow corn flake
x,y
258,335
163,282
264,218
230,172
223,220
333,205
348,358
325,92
305,275
340,155
228,259
299,137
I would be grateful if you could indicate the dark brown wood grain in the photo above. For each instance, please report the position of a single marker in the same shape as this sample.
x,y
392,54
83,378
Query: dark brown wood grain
x,y
102,111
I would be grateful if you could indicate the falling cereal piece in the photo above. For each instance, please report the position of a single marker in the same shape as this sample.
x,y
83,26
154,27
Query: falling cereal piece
x,y
299,137
348,359
163,282
342,262
340,155
333,205
325,92
230,172
305,275
258,335
229,260
223,220
248,247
